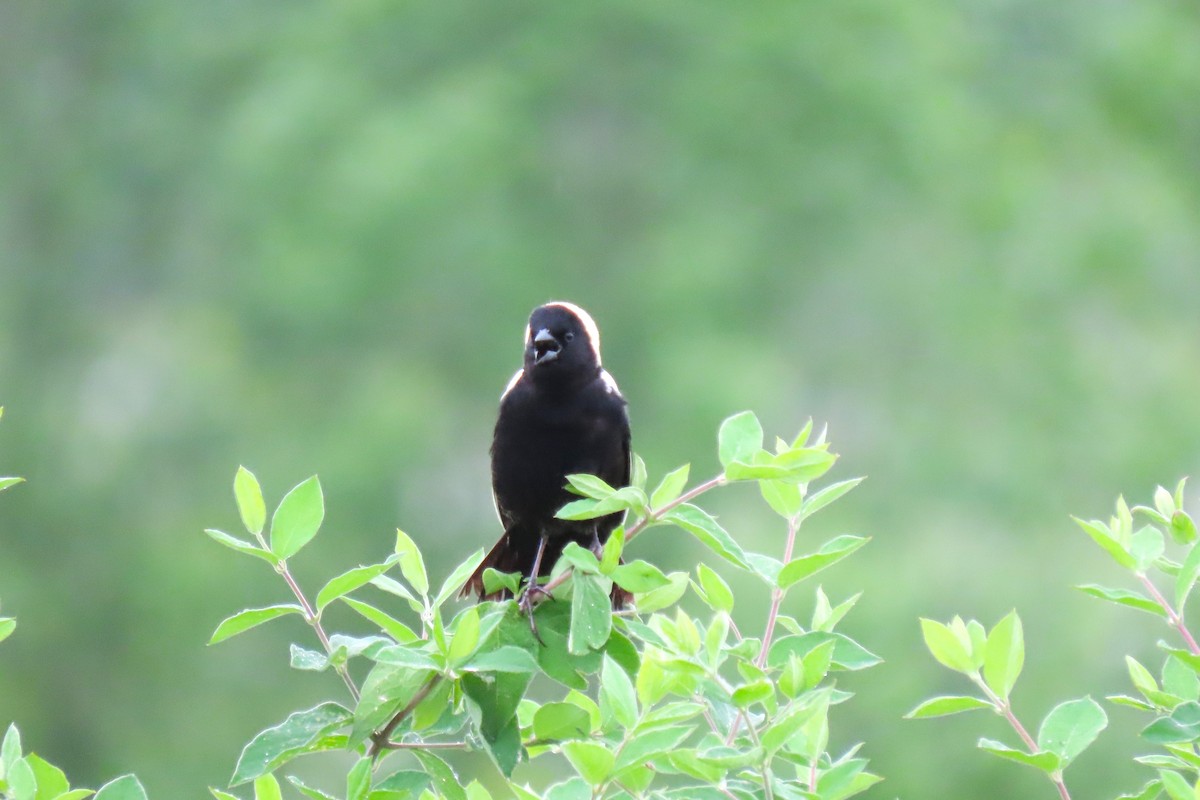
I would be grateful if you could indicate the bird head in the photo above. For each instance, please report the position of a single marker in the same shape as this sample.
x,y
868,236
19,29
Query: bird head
x,y
561,342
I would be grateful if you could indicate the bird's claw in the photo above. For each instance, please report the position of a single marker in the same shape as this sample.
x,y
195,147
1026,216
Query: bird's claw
x,y
526,605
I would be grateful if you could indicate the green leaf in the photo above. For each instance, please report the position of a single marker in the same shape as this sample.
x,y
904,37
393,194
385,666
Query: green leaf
x,y
444,779
1103,537
412,566
311,660
830,553
561,721
1151,790
1071,727
348,581
7,482
664,596
594,762
651,744
638,576
1175,786
267,788
249,498
1182,528
466,636
1146,546
716,591
250,618
637,472
617,698
51,781
946,647
126,787
392,627
944,706
219,795
298,518
591,613
826,496
300,733
406,656
1046,762
458,577
1181,726
589,486
739,438
505,658
1185,581
1180,679
580,559
628,497
754,692
495,581
611,555
847,653
1124,597
786,498
406,782
7,626
307,791
704,527
242,546
22,784
10,749
358,780
1004,655
787,725
826,618
671,487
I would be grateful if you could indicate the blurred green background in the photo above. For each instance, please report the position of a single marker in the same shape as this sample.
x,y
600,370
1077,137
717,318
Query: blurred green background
x,y
305,237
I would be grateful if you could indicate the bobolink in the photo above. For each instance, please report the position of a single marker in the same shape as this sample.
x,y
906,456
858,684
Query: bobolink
x,y
560,414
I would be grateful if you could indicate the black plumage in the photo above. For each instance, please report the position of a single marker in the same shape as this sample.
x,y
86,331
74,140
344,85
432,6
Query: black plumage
x,y
561,414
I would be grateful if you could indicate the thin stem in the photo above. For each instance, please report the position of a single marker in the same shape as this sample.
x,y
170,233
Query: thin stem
x,y
772,617
777,594
652,516
314,620
381,739
1005,708
1175,618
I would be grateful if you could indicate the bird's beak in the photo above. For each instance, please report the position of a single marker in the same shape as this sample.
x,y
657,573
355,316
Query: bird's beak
x,y
545,347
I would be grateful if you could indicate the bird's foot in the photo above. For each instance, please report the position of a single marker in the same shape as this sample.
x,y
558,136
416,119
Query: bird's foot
x,y
528,602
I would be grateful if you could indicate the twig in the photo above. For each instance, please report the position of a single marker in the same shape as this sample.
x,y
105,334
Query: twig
x,y
1175,618
310,616
772,617
314,620
1006,710
381,739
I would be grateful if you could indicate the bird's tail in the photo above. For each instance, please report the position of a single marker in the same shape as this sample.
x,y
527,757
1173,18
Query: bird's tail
x,y
504,557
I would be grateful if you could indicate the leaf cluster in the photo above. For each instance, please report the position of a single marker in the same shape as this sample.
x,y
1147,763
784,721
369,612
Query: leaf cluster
x,y
656,703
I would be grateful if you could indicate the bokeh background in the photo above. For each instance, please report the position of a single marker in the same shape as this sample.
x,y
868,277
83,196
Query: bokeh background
x,y
305,238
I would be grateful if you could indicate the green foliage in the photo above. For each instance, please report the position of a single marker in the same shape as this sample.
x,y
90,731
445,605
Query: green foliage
x,y
1175,727
993,660
27,776
654,703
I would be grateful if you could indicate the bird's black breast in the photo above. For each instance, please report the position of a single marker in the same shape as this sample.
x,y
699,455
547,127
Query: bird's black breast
x,y
541,437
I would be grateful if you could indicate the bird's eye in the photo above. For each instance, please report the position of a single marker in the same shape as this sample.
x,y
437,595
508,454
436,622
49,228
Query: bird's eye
x,y
569,336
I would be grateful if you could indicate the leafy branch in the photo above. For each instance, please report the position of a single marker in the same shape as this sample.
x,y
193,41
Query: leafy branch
x,y
652,701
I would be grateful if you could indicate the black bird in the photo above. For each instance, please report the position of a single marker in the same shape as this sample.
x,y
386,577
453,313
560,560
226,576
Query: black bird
x,y
561,414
